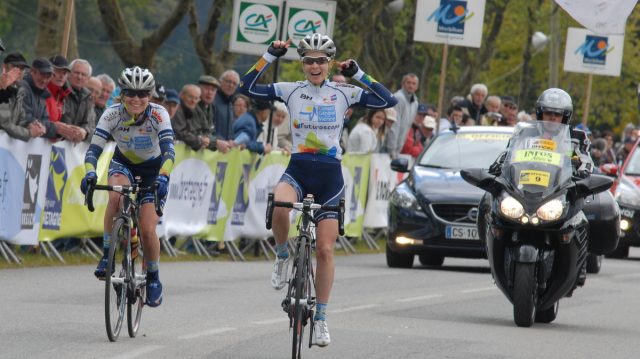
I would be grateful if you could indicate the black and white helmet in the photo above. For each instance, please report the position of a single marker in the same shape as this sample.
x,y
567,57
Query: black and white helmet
x,y
136,78
555,100
317,42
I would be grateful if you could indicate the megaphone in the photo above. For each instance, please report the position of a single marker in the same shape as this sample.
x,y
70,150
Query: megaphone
x,y
539,40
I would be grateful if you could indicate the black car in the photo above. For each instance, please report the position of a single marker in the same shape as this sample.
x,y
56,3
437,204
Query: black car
x,y
433,212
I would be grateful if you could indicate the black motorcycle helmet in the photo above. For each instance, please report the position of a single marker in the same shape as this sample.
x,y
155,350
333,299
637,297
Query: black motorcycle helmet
x,y
555,100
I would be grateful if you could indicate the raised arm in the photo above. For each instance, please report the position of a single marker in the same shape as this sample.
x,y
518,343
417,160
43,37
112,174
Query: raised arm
x,y
377,96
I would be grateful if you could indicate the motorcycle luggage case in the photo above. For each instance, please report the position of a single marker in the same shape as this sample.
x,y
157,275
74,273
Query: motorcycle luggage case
x,y
603,214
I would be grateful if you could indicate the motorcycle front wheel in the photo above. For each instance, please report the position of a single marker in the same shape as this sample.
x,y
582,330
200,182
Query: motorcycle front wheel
x,y
524,294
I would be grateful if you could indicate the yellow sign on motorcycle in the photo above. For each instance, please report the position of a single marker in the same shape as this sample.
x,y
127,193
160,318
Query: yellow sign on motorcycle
x,y
531,155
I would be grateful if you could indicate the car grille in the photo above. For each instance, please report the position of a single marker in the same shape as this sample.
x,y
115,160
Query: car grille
x,y
458,213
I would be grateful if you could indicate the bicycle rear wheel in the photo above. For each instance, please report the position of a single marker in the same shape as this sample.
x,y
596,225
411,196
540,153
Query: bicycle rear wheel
x,y
299,311
135,300
115,286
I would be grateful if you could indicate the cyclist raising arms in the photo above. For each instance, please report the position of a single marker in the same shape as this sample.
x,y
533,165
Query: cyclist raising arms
x,y
144,139
317,107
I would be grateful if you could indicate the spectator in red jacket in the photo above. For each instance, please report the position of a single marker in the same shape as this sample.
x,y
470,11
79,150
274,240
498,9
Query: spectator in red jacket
x,y
417,135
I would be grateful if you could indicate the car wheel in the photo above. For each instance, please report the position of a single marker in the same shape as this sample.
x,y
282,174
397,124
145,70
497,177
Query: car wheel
x,y
621,252
431,259
594,263
398,260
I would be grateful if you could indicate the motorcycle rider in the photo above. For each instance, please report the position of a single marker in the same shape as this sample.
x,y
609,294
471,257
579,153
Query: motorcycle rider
x,y
555,105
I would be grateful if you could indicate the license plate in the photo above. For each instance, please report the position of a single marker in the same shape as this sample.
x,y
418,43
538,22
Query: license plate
x,y
461,232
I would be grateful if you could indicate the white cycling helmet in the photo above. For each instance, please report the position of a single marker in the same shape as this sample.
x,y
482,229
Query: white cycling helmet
x,y
317,42
136,78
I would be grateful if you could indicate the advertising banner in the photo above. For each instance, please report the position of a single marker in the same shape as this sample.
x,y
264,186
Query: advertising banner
x,y
64,213
453,22
589,53
255,24
23,180
382,180
355,170
304,17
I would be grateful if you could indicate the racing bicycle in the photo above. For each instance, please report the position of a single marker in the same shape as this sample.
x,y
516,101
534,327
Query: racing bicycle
x,y
125,277
300,300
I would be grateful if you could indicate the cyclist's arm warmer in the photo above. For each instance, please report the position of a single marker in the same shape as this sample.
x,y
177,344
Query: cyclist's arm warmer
x,y
378,97
248,84
167,150
98,141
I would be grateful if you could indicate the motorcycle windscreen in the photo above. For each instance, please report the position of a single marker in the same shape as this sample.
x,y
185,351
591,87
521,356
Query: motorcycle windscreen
x,y
538,158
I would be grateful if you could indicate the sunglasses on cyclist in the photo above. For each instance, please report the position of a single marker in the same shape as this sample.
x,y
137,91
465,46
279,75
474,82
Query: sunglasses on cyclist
x,y
136,93
310,60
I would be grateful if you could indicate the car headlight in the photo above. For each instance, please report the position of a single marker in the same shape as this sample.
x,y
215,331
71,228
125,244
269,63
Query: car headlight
x,y
403,197
551,210
626,195
511,208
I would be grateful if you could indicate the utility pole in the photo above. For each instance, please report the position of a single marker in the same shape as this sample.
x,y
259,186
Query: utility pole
x,y
554,51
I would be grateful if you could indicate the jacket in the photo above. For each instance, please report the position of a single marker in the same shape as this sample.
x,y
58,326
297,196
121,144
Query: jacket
x,y
35,106
247,124
12,114
223,116
187,127
362,139
55,102
78,111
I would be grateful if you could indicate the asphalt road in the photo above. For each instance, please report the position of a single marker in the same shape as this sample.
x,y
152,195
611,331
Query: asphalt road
x,y
228,310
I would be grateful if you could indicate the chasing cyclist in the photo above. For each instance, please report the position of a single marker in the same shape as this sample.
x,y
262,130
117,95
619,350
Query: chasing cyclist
x,y
144,138
317,107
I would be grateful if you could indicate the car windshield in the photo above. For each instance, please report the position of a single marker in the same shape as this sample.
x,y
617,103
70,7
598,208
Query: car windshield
x,y
465,150
633,166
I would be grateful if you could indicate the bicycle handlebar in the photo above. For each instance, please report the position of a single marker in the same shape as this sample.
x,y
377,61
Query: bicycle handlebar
x,y
88,200
300,207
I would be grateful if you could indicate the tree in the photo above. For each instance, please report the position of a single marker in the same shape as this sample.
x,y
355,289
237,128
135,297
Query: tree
x,y
204,42
129,50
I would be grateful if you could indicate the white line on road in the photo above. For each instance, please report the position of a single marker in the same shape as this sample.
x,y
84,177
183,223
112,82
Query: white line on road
x,y
138,352
475,290
271,321
422,297
353,309
207,333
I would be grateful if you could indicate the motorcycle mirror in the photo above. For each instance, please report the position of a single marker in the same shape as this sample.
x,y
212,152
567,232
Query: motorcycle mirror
x,y
480,178
593,184
400,165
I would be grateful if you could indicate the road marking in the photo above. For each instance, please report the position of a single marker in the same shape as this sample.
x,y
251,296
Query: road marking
x,y
271,321
627,275
422,297
353,309
475,290
138,352
207,333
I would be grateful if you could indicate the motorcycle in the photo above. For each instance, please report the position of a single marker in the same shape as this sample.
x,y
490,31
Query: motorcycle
x,y
532,220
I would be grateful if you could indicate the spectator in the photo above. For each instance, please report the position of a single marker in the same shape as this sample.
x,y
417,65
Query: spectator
x,y
628,131
406,111
414,142
455,115
108,85
625,149
209,86
492,116
508,110
282,125
172,102
95,86
12,112
428,129
598,147
186,126
158,95
248,127
609,152
78,106
12,72
278,117
391,117
240,105
523,116
59,89
474,104
33,91
366,135
229,81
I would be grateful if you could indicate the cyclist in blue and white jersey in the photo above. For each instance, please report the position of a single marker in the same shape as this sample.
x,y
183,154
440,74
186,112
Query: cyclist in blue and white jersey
x,y
317,107
144,138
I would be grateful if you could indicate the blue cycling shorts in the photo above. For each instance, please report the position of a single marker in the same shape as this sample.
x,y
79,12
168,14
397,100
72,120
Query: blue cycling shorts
x,y
147,172
318,175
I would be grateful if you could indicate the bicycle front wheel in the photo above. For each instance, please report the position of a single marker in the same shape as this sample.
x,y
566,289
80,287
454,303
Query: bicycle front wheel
x,y
300,300
115,286
136,295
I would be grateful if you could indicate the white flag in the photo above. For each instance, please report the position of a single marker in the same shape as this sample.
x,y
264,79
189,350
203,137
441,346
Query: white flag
x,y
604,17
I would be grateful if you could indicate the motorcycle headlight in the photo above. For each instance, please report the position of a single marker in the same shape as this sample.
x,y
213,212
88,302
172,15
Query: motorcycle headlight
x,y
511,208
551,210
403,197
